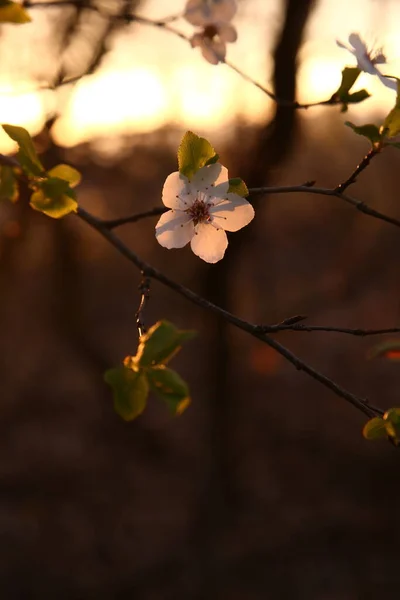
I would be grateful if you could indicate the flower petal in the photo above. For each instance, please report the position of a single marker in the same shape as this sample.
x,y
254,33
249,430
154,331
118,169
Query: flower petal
x,y
233,213
197,12
390,83
365,64
205,12
174,229
209,243
206,177
176,192
341,45
227,33
358,45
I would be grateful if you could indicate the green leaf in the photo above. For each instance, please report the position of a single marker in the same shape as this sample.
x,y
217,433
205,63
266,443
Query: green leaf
x,y
170,387
11,12
392,423
356,97
375,429
27,155
212,160
66,173
130,391
55,198
353,99
389,350
194,153
349,77
8,184
369,131
391,125
160,343
238,186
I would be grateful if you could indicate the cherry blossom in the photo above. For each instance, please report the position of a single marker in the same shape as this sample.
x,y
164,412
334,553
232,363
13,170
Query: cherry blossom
x,y
212,41
213,17
209,12
202,210
367,59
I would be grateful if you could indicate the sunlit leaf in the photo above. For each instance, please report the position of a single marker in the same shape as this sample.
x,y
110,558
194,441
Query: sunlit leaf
x,y
55,205
194,153
66,173
238,186
170,387
392,423
11,12
27,155
369,131
391,125
389,350
375,429
8,184
349,77
212,160
130,391
160,343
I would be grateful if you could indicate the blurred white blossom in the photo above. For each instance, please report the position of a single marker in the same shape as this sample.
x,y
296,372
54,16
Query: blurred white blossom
x,y
202,210
209,12
214,17
367,59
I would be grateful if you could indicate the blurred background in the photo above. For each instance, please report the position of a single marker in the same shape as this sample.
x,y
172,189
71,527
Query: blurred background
x,y
265,487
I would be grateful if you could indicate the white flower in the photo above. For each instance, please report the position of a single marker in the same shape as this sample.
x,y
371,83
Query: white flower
x,y
202,210
368,58
212,41
209,12
213,17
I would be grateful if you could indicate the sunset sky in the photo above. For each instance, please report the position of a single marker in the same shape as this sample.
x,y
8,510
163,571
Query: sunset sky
x,y
151,78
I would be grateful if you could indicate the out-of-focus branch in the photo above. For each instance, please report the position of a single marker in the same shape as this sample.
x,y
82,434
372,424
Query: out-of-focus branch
x,y
165,25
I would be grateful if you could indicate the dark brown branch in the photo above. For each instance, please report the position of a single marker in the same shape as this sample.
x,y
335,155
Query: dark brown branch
x,y
363,165
358,204
154,212
285,189
301,327
144,288
150,271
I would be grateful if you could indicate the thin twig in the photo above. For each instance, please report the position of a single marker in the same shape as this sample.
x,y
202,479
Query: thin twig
x,y
150,271
144,288
301,327
284,189
306,189
154,212
363,165
165,24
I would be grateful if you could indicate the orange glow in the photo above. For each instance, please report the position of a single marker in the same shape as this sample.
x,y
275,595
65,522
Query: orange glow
x,y
151,78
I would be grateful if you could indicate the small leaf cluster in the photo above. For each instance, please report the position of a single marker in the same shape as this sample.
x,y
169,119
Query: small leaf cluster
x,y
382,135
52,191
196,152
387,427
148,371
343,95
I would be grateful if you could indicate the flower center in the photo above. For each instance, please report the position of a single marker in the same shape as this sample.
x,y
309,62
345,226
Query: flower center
x,y
210,31
199,212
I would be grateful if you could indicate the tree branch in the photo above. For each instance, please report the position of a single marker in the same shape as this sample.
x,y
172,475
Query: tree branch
x,y
363,165
285,189
165,24
254,330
